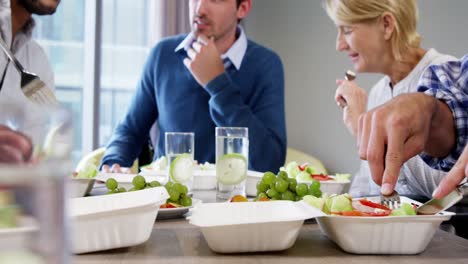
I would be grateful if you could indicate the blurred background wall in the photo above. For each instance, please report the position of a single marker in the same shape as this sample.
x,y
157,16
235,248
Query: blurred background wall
x,y
303,35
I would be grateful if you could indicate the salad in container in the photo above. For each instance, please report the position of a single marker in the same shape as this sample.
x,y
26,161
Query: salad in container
x,y
330,184
364,226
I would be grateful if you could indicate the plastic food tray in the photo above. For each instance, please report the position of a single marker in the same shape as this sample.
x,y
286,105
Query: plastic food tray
x,y
382,235
332,187
79,187
17,238
114,221
251,226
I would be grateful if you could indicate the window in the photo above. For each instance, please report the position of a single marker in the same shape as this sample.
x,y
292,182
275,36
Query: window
x,y
125,46
62,37
127,36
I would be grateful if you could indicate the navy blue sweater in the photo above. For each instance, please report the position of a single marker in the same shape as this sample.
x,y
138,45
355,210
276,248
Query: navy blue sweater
x,y
252,97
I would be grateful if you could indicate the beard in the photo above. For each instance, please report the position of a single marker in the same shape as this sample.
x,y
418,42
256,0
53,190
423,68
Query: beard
x,y
37,7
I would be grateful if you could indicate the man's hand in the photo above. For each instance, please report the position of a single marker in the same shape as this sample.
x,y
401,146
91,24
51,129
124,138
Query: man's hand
x,y
353,99
454,177
204,61
14,146
391,134
115,169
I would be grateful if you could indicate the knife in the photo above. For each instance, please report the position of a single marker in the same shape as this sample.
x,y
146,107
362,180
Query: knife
x,y
435,206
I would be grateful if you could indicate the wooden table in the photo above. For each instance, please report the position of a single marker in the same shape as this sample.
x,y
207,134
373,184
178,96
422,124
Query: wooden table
x,y
176,241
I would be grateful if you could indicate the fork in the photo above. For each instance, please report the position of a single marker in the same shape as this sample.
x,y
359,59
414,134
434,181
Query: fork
x,y
391,201
34,89
349,76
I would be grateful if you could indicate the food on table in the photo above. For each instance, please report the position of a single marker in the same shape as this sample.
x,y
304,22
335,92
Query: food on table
x,y
282,187
89,171
307,173
238,198
8,211
207,166
159,164
178,196
344,205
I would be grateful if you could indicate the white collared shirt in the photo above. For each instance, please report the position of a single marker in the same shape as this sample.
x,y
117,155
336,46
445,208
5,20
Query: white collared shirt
x,y
235,53
33,59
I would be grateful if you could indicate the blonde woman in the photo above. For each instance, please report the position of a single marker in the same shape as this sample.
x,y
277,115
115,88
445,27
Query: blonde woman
x,y
379,36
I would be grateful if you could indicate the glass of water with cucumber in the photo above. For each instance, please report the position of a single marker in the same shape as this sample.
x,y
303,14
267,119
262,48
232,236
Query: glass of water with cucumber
x,y
232,155
180,150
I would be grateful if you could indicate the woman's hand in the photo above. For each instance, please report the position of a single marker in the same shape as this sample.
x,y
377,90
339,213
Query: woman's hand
x,y
353,100
14,146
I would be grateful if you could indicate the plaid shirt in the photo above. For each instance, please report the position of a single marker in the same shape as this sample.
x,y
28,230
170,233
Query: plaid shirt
x,y
448,82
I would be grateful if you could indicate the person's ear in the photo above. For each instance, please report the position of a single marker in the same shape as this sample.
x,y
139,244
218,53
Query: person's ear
x,y
387,25
244,9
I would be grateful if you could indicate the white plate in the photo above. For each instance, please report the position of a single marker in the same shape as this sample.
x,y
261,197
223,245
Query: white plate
x,y
18,237
170,213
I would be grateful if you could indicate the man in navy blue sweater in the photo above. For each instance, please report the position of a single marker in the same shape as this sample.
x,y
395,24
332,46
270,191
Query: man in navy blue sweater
x,y
212,77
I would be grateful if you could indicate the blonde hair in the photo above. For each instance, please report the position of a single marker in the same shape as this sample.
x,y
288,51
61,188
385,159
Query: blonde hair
x,y
405,13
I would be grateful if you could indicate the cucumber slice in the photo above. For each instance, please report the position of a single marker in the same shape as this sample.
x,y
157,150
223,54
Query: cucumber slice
x,y
231,169
181,169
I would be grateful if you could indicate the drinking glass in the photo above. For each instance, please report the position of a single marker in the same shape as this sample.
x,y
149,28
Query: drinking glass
x,y
232,156
32,201
180,150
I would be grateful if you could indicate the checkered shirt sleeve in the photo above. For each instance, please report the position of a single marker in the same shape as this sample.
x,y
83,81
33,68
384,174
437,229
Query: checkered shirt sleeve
x,y
448,82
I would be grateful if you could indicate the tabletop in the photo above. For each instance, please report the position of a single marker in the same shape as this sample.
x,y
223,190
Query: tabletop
x,y
176,241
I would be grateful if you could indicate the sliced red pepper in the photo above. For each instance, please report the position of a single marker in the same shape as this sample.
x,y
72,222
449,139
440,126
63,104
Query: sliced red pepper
x,y
303,166
373,205
380,213
320,177
167,205
359,213
349,213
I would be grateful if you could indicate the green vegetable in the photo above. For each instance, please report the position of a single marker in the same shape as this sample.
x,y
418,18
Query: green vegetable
x,y
314,201
341,177
405,209
89,171
341,203
292,168
304,177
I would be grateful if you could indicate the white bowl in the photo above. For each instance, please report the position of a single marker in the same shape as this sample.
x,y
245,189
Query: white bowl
x,y
114,221
332,187
79,187
382,235
251,226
